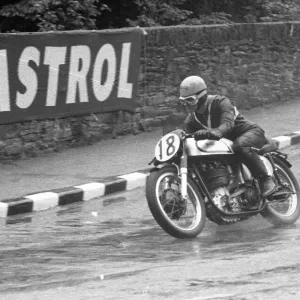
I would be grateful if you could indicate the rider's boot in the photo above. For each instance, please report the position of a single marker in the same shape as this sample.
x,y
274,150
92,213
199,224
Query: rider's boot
x,y
267,185
259,171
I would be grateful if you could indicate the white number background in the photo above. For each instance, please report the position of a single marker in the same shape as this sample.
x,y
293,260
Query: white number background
x,y
161,149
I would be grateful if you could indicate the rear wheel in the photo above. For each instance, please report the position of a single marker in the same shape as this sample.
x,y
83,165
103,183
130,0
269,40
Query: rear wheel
x,y
179,218
284,210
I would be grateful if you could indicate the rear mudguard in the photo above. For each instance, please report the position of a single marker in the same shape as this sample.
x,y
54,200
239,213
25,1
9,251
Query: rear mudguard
x,y
282,157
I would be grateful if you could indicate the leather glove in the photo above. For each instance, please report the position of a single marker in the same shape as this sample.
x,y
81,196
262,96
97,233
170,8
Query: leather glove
x,y
203,134
215,134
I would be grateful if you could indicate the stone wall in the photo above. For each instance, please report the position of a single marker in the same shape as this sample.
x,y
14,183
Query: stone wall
x,y
253,64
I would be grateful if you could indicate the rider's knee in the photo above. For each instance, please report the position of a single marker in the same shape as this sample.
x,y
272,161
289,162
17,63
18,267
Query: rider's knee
x,y
240,148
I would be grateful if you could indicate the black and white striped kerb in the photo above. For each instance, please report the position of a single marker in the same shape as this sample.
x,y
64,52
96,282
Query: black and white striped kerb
x,y
92,190
288,139
63,196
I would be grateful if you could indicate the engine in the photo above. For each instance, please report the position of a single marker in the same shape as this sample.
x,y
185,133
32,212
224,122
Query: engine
x,y
218,177
215,174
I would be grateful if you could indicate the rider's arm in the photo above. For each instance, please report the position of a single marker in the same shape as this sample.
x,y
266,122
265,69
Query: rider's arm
x,y
226,114
189,125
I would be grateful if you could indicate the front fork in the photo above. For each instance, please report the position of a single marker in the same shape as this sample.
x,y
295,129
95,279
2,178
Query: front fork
x,y
184,173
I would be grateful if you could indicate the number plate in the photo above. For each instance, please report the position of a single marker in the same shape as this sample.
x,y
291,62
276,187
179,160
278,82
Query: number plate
x,y
167,147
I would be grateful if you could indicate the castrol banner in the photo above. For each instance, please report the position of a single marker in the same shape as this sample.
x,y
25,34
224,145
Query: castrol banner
x,y
51,75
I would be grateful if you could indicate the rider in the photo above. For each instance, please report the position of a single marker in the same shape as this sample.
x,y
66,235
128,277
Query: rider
x,y
215,116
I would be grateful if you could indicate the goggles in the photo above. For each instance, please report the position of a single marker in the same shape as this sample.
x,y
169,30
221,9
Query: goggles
x,y
191,100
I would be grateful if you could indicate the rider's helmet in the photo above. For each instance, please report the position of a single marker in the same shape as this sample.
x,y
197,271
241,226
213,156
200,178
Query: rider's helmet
x,y
192,86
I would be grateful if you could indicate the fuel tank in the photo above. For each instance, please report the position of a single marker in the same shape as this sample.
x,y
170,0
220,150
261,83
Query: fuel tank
x,y
208,147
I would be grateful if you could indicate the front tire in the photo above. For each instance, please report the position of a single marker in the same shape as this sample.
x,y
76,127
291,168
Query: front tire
x,y
167,207
286,211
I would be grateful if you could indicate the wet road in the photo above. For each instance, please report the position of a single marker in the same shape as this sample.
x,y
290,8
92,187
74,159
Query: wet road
x,y
113,249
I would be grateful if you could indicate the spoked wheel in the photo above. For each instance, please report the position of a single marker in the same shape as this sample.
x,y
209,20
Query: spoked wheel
x,y
285,208
178,217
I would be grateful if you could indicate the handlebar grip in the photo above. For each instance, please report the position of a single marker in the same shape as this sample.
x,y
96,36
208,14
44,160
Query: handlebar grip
x,y
189,135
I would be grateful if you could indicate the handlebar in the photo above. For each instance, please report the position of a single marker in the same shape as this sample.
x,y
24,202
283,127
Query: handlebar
x,y
187,135
192,135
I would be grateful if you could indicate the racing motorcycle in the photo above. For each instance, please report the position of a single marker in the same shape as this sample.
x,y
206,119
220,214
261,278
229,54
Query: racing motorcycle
x,y
197,179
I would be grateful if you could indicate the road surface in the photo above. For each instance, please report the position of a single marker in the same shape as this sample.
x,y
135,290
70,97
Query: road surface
x,y
113,249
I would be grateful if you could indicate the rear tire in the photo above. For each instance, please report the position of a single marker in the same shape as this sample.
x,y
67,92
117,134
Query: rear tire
x,y
271,214
159,211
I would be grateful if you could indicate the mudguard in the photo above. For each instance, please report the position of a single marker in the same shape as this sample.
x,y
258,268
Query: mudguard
x,y
283,158
160,166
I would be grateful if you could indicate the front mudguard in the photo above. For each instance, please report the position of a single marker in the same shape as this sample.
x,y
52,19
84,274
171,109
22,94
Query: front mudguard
x,y
163,165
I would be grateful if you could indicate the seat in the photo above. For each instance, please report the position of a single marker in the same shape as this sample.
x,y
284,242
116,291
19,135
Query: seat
x,y
269,147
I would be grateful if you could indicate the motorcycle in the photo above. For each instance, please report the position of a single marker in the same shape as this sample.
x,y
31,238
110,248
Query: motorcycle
x,y
197,179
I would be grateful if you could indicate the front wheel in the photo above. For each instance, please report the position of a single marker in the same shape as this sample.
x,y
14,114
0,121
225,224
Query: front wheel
x,y
179,218
286,210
